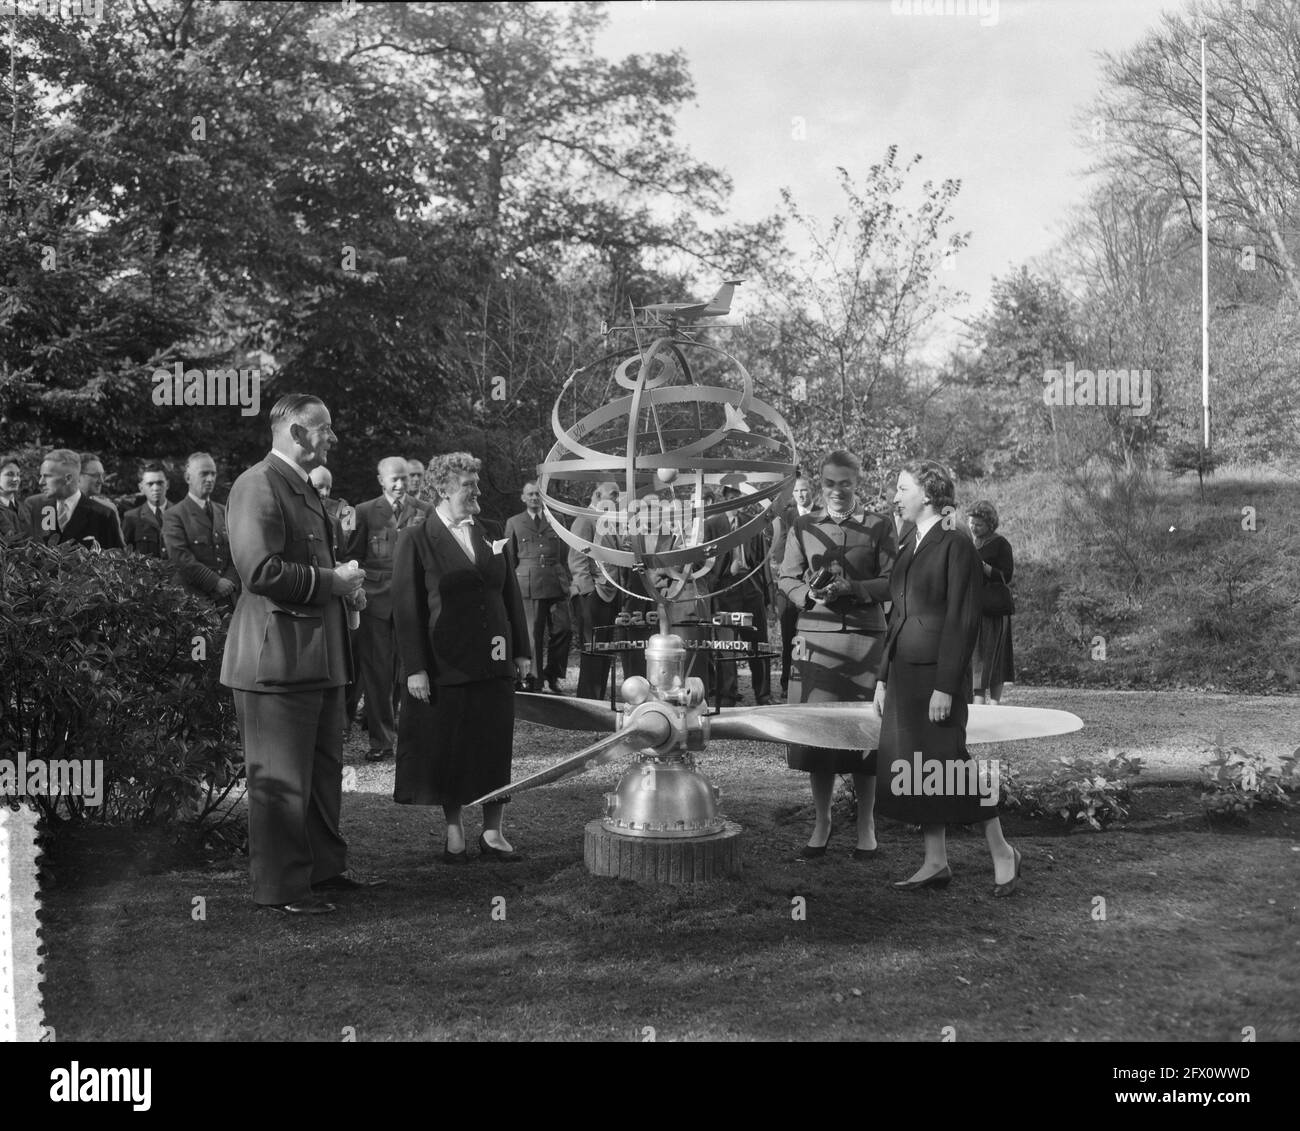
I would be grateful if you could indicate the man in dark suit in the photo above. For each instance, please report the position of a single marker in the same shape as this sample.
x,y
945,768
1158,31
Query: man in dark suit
x,y
690,610
539,557
749,597
415,479
287,659
341,513
596,600
787,614
343,521
142,526
372,544
63,514
197,539
91,482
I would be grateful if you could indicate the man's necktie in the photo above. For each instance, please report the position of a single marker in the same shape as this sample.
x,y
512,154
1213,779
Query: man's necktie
x,y
63,514
207,511
741,559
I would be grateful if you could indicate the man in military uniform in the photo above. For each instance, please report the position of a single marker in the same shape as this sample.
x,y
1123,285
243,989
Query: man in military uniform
x,y
539,557
287,660
372,544
142,526
197,538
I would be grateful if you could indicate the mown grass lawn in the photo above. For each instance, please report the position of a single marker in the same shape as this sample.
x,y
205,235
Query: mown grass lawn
x,y
1200,936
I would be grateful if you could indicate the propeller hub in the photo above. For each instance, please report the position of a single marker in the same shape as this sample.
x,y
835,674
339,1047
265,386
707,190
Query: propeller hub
x,y
663,798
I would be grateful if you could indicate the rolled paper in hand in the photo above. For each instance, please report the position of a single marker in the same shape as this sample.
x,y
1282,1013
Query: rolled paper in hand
x,y
354,617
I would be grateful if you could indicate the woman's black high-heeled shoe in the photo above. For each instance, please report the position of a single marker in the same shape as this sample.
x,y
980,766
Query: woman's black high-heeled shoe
x,y
940,879
499,855
814,851
449,857
1002,890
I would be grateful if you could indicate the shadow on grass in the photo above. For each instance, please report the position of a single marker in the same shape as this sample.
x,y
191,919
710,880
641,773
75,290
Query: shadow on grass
x,y
1198,939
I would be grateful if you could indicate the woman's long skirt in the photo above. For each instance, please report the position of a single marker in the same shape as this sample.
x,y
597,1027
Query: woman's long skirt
x,y
925,775
992,664
836,667
453,750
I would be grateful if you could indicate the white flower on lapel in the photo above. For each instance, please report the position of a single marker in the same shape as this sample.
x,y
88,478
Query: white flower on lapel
x,y
498,546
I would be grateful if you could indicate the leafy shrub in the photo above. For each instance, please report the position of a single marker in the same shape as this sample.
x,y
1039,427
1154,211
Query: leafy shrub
x,y
1083,612
1014,794
1240,592
1234,782
1095,791
100,659
1183,457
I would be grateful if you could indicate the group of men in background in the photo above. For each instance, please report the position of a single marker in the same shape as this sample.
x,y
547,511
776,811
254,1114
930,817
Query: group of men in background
x,y
191,535
566,593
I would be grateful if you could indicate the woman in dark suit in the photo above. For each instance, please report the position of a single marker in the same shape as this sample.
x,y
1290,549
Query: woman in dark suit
x,y
14,519
925,775
992,665
842,627
459,621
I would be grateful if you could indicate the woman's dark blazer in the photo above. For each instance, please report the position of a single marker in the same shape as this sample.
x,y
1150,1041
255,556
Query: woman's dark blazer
x,y
938,597
14,523
997,552
458,622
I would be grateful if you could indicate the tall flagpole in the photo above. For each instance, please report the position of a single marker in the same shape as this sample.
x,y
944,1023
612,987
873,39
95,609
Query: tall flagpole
x,y
1205,273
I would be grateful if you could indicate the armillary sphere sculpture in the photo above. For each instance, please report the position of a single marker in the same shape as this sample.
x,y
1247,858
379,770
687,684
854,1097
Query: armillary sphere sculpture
x,y
667,439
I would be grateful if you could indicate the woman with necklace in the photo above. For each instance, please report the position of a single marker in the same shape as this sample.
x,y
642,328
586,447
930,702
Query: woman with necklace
x,y
836,573
925,774
992,665
463,639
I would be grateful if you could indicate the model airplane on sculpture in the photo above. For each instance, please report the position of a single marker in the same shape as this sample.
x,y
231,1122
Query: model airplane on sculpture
x,y
675,313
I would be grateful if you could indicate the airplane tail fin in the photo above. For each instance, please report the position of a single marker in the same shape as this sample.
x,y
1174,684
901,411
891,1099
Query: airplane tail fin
x,y
720,303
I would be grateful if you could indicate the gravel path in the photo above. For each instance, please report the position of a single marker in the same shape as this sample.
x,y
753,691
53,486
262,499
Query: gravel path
x,y
1172,731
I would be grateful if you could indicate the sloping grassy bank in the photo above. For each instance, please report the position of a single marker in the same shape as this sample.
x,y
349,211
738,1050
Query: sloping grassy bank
x,y
1181,593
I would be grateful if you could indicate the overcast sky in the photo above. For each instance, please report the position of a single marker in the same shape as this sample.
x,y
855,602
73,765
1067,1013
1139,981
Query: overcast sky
x,y
990,97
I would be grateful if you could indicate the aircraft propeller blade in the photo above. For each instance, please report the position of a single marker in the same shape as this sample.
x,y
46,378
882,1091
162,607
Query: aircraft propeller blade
x,y
840,726
564,713
859,728
652,730
1010,724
